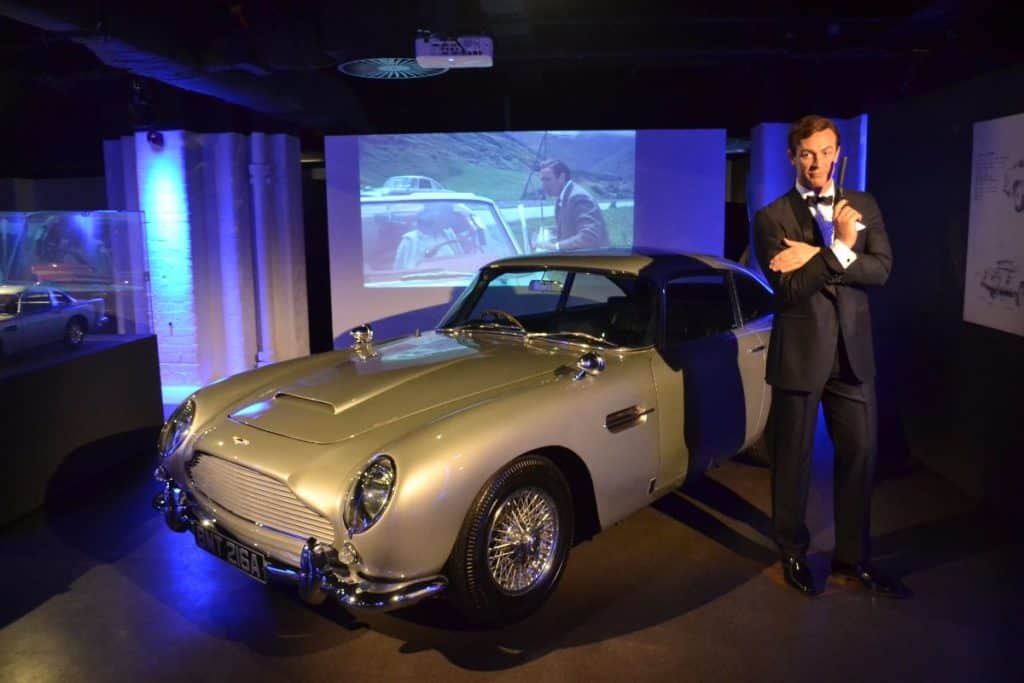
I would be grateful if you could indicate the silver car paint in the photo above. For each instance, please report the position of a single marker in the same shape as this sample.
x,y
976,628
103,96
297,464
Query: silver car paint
x,y
443,410
442,454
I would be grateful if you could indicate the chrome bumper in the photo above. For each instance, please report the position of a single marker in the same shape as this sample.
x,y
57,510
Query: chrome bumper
x,y
322,573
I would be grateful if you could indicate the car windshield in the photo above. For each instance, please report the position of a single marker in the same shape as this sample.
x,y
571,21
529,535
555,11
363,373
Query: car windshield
x,y
8,304
591,308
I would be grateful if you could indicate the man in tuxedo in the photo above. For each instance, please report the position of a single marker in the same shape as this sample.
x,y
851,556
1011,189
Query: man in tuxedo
x,y
580,224
820,252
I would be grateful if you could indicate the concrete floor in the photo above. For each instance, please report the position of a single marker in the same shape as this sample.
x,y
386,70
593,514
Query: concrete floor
x,y
100,590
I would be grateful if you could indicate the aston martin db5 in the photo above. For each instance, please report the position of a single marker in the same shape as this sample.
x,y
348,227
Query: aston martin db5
x,y
34,315
557,396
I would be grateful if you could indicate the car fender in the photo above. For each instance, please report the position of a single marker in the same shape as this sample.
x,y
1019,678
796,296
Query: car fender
x,y
444,464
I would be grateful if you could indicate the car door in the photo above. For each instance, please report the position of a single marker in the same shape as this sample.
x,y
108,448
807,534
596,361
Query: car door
x,y
12,334
617,407
755,308
702,347
37,321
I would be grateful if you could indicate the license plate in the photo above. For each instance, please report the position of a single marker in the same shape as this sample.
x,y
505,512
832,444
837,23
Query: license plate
x,y
252,562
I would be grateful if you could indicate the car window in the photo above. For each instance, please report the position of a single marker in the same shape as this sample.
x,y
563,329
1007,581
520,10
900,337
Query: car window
x,y
755,298
558,305
697,306
62,298
592,288
403,236
513,293
35,302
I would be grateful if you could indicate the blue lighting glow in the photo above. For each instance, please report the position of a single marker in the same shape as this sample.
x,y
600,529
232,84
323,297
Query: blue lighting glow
x,y
164,202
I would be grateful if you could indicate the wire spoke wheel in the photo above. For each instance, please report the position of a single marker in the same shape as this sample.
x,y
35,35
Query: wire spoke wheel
x,y
74,333
522,541
514,542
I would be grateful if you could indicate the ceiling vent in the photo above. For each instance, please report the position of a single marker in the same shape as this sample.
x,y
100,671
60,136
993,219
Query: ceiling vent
x,y
388,68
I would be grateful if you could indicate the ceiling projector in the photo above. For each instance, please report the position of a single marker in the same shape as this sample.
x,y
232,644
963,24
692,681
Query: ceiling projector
x,y
462,52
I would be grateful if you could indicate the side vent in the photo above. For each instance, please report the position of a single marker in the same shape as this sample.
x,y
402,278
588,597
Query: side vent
x,y
622,420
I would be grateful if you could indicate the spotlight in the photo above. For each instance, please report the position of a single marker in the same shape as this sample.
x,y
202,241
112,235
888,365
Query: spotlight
x,y
156,138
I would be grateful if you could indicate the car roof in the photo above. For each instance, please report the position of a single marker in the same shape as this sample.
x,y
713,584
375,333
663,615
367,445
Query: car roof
x,y
658,266
12,288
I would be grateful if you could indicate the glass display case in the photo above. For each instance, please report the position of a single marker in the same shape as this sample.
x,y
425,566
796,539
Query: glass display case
x,y
67,274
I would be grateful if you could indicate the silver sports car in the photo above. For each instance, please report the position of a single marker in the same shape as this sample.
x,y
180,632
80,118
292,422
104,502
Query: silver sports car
x,y
558,395
34,315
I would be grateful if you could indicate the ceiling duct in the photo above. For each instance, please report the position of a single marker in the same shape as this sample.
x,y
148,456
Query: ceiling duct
x,y
304,97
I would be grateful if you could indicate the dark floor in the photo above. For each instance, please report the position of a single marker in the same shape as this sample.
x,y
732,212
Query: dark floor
x,y
100,590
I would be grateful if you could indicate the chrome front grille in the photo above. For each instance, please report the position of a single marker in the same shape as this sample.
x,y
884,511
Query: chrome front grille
x,y
255,497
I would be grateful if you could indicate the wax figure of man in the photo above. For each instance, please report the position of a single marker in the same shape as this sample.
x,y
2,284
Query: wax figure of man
x,y
820,254
577,215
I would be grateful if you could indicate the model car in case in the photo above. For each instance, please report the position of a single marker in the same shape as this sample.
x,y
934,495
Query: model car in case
x,y
34,315
559,395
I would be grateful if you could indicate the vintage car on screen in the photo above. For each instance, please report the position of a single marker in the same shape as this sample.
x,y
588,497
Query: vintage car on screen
x,y
34,315
432,239
403,184
557,396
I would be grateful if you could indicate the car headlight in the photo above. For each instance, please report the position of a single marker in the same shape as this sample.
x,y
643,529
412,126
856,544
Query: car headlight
x,y
370,493
175,429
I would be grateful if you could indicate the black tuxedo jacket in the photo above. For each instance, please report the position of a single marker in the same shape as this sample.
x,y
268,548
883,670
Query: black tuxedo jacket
x,y
820,301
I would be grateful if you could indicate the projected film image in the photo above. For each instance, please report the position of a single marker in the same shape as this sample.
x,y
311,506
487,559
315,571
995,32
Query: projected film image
x,y
435,207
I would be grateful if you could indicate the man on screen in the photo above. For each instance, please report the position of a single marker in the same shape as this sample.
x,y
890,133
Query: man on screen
x,y
431,238
578,219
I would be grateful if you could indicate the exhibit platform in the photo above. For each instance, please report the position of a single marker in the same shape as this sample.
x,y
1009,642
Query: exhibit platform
x,y
70,416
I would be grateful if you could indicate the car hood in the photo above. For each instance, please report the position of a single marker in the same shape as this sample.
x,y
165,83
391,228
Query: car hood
x,y
395,380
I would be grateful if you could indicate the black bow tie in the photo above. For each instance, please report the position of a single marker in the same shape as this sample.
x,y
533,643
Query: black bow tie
x,y
813,199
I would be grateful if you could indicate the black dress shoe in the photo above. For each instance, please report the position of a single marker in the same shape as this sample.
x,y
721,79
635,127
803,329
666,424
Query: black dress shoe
x,y
798,575
872,578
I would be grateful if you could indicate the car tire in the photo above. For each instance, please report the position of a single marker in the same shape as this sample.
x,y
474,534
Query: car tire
x,y
74,333
493,584
758,452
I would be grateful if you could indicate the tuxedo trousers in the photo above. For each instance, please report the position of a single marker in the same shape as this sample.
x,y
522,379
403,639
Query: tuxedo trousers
x,y
850,411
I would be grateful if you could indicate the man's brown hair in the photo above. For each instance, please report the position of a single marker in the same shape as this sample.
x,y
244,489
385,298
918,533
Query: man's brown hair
x,y
557,167
808,126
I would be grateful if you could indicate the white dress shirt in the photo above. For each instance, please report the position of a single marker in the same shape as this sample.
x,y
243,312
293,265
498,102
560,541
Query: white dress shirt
x,y
823,216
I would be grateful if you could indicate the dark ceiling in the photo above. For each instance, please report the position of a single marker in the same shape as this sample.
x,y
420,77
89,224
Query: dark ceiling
x,y
74,73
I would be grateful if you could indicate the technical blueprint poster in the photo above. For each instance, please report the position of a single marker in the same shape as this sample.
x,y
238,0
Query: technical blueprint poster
x,y
994,283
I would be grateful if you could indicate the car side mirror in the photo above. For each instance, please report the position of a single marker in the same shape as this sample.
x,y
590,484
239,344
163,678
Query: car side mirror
x,y
589,363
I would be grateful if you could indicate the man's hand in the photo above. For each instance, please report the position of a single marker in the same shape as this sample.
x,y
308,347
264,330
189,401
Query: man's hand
x,y
794,256
546,245
844,220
